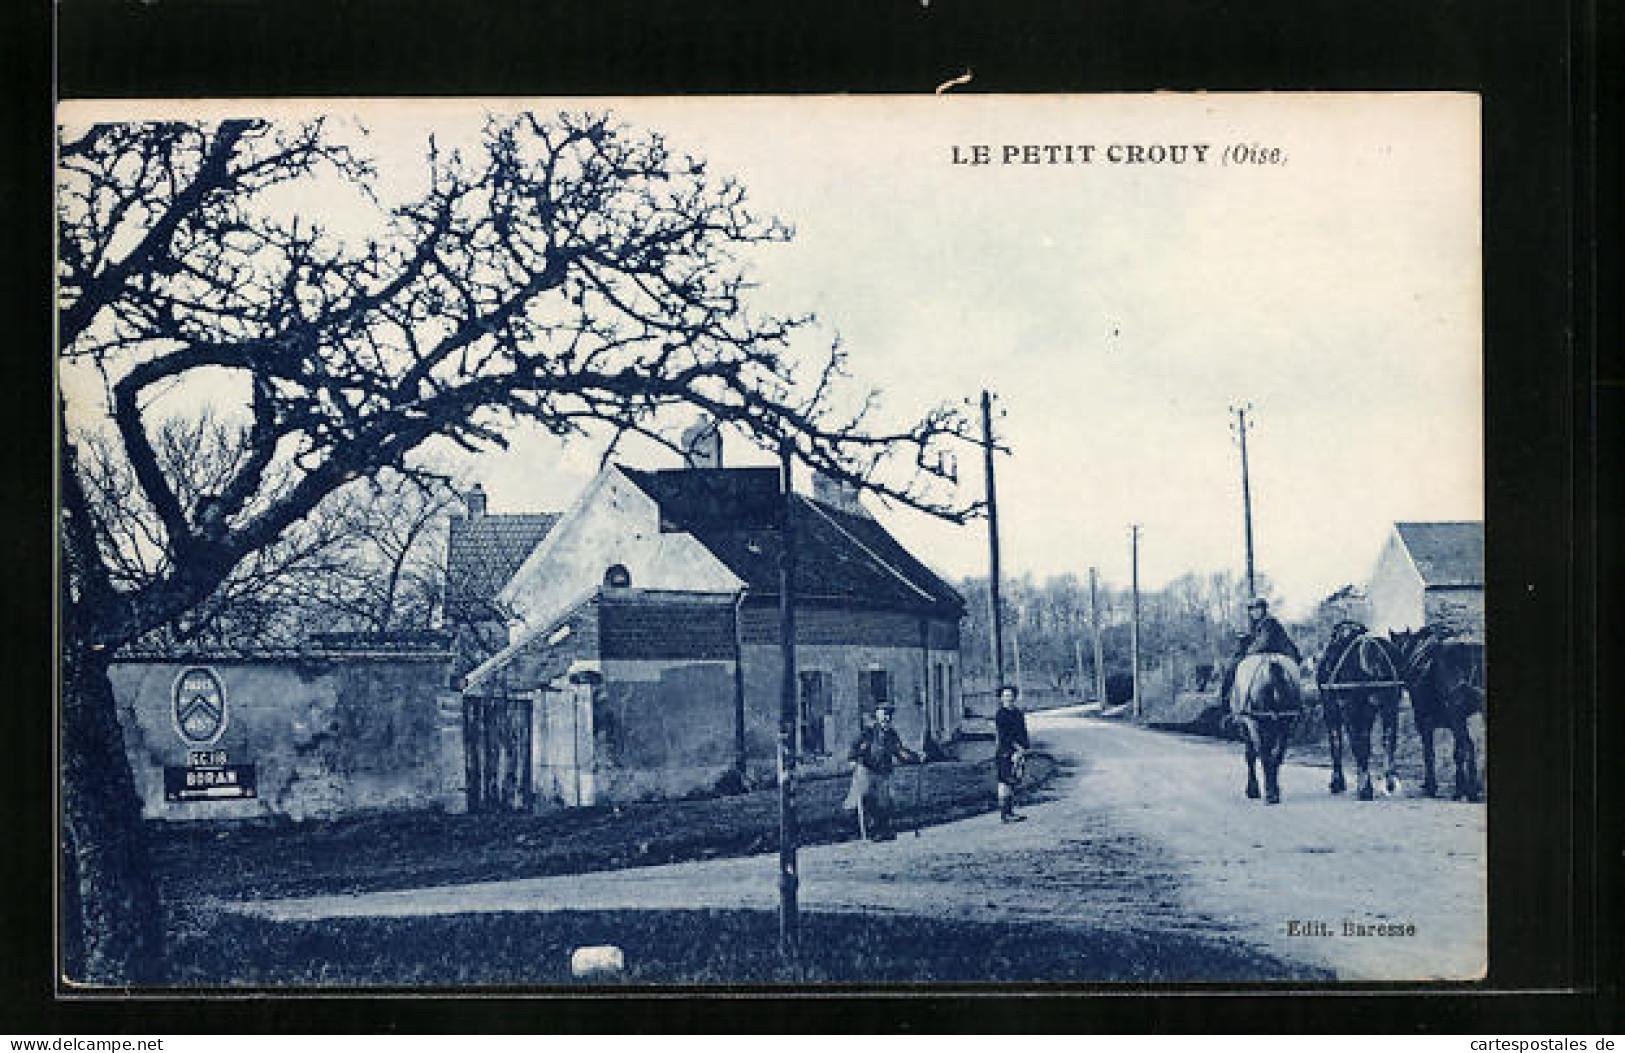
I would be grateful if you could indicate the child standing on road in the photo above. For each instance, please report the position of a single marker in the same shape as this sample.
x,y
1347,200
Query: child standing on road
x,y
1010,726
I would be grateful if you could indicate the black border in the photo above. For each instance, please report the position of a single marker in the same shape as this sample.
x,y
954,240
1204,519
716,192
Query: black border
x,y
1531,60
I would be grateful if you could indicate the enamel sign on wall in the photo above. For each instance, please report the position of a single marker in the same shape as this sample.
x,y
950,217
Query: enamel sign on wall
x,y
198,707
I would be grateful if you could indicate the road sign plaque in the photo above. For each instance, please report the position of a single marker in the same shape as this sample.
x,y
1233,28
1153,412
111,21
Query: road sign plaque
x,y
222,782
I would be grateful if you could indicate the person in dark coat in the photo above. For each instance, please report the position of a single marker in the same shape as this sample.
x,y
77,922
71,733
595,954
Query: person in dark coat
x,y
873,754
1265,635
1010,729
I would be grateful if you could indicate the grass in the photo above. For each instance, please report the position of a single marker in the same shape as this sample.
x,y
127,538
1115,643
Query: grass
x,y
692,948
412,850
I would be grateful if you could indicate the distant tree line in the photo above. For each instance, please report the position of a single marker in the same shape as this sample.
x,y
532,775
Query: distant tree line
x,y
1188,630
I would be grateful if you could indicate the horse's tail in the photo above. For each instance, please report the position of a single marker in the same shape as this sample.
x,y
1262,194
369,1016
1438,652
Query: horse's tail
x,y
1284,693
1463,671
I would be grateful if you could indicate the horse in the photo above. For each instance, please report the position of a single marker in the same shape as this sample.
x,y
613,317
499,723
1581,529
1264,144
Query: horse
x,y
1445,680
1266,701
1354,657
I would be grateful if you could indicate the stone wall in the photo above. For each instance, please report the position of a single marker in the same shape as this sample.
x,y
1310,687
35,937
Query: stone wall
x,y
1461,610
327,735
661,729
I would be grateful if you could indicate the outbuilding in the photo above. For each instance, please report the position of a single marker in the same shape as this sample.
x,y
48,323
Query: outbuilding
x,y
1430,573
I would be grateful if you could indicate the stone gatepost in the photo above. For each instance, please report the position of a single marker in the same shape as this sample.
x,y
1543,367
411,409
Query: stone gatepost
x,y
453,760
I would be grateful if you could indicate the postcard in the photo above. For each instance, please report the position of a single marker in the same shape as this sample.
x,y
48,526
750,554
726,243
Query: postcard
x,y
742,541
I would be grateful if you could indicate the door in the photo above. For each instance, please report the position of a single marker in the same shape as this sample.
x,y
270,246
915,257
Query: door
x,y
497,753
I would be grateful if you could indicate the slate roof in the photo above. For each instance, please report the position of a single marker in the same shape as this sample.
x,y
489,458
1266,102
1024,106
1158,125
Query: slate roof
x,y
735,513
1446,554
483,552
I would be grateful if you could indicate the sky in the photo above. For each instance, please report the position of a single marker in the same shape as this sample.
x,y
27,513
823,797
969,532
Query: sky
x,y
1118,310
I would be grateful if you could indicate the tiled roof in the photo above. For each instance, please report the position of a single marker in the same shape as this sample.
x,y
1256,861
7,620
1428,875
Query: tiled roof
x,y
483,552
1448,554
734,513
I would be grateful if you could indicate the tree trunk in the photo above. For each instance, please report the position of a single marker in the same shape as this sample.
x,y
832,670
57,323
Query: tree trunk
x,y
119,937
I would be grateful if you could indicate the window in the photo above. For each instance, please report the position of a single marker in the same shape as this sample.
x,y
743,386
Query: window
x,y
874,687
815,712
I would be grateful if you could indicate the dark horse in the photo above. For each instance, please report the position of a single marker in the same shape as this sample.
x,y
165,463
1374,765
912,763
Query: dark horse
x,y
1266,702
1354,659
1445,679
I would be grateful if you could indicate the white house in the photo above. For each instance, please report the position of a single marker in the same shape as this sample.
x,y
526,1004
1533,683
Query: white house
x,y
642,657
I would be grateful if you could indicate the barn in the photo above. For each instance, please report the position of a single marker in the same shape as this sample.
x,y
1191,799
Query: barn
x,y
644,657
1430,573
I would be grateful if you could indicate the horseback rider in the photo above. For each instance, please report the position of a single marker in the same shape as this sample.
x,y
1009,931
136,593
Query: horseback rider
x,y
877,748
1010,727
1265,635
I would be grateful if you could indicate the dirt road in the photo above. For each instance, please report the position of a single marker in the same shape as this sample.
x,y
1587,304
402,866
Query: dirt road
x,y
1147,832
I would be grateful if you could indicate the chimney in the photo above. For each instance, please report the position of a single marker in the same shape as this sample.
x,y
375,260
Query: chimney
x,y
837,493
702,444
475,501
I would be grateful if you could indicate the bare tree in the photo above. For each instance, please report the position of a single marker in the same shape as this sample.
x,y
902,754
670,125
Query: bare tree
x,y
392,580
569,272
366,559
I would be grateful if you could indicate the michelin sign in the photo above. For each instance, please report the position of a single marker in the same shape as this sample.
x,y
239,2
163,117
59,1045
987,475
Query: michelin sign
x,y
198,711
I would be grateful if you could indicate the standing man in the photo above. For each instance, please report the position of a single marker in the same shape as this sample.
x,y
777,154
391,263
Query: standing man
x,y
1010,726
877,749
1264,635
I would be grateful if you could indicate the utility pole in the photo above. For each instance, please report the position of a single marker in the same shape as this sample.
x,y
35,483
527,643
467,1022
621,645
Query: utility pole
x,y
1077,659
1015,641
1134,626
1240,428
993,539
789,920
1094,627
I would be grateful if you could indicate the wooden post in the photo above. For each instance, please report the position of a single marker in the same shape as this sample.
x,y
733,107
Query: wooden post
x,y
741,761
1077,658
993,540
789,920
1134,627
1241,427
1015,645
1100,652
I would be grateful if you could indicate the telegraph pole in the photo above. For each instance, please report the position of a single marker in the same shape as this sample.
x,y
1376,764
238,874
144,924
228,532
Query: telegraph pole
x,y
789,920
993,540
1240,428
1015,645
1134,627
1094,628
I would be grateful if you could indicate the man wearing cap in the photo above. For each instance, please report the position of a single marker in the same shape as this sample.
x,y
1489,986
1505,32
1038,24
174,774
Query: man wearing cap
x,y
1010,742
877,748
1265,635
